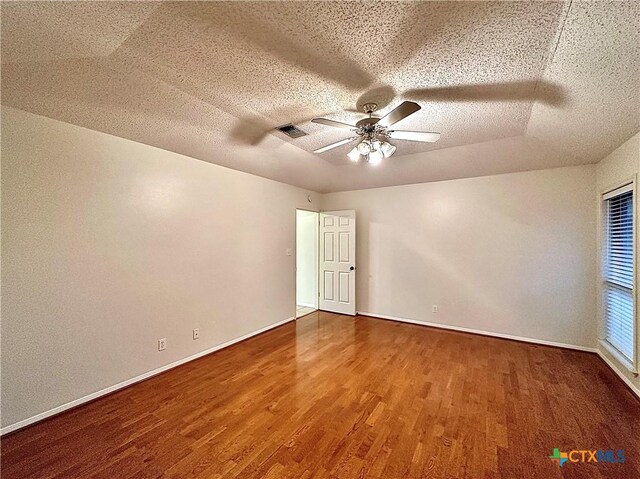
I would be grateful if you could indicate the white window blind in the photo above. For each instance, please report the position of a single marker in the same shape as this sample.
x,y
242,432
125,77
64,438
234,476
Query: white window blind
x,y
619,275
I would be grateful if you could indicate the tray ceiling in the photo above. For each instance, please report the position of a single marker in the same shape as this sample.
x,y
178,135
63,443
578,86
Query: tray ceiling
x,y
511,86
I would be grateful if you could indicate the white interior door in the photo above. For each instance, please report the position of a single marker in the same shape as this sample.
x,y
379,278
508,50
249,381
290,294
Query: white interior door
x,y
338,261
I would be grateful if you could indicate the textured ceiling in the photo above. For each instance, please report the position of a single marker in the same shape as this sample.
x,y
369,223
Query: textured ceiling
x,y
511,86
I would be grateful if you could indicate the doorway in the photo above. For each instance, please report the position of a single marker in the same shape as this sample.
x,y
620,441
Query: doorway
x,y
306,262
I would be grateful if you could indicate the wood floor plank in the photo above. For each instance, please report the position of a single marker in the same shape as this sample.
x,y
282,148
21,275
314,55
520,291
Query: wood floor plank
x,y
332,396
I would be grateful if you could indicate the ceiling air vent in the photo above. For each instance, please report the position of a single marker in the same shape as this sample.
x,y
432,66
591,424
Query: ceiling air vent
x,y
291,131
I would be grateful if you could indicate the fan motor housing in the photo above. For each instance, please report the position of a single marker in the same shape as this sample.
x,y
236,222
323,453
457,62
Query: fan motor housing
x,y
367,122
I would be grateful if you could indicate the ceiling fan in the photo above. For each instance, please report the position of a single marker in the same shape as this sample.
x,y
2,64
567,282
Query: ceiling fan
x,y
374,132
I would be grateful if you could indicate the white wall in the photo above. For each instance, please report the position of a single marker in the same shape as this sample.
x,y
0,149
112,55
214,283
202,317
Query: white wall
x,y
109,245
621,165
510,254
307,258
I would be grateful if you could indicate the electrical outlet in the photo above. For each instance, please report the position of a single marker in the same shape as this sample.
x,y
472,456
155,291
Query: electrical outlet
x,y
434,309
289,251
162,344
196,333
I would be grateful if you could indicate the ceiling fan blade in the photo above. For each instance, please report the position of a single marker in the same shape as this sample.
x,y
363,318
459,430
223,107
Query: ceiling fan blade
x,y
402,111
527,91
424,136
334,145
336,124
315,55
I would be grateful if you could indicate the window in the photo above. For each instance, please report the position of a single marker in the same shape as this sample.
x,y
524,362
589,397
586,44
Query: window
x,y
619,272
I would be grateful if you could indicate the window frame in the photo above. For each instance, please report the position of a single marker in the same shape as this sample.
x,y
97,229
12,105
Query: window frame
x,y
629,184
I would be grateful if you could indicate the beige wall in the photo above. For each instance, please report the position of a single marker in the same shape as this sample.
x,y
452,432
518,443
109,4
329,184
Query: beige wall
x,y
109,245
621,165
511,254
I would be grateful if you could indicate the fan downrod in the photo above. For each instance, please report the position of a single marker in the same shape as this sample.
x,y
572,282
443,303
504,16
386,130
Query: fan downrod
x,y
367,123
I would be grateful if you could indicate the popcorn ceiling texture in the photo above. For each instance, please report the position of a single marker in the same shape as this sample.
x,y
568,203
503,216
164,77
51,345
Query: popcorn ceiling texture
x,y
598,60
212,79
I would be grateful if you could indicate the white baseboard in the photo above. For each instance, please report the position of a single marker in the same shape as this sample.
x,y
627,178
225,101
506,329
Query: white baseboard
x,y
616,370
129,382
482,332
308,305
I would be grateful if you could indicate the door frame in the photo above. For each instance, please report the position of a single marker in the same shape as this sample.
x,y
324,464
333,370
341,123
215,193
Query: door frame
x,y
295,256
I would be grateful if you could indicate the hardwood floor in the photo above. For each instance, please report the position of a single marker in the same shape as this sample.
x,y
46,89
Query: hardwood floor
x,y
303,311
333,396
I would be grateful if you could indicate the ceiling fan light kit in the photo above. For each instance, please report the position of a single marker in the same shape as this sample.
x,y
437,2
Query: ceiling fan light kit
x,y
373,133
387,149
375,157
354,155
371,151
364,147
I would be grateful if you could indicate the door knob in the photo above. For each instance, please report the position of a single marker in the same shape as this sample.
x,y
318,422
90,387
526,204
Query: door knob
x,y
352,268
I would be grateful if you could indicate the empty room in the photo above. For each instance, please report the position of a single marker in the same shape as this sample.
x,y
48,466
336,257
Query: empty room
x,y
320,239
